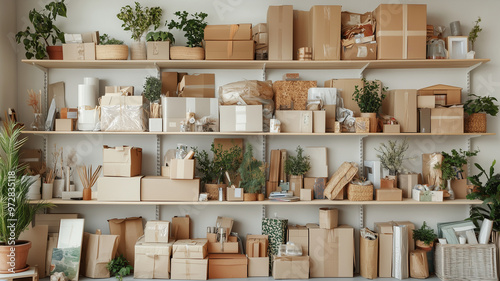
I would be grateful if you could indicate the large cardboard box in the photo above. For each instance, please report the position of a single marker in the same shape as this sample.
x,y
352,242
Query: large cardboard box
x,y
291,267
453,94
157,231
152,260
258,267
197,86
121,161
169,84
301,31
241,118
345,88
331,251
229,50
295,121
156,188
299,235
384,229
280,29
182,169
360,51
227,266
119,189
402,105
189,269
401,31
228,32
79,51
447,120
190,249
129,230
325,32
318,157
158,50
424,120
174,111
122,113
292,94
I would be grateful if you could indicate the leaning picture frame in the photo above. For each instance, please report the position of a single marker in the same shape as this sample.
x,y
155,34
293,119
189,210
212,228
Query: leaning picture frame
x,y
458,47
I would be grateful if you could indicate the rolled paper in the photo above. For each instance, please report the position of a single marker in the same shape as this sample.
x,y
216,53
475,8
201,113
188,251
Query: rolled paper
x,y
485,232
87,96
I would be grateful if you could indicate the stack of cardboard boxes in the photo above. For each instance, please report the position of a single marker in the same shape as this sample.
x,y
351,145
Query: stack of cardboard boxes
x,y
189,259
67,122
153,251
229,42
258,261
261,38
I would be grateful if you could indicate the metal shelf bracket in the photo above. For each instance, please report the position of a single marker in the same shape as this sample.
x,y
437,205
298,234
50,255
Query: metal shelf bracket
x,y
469,70
361,154
362,70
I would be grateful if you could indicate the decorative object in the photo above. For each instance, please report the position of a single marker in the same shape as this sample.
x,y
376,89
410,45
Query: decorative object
x,y
36,43
474,33
296,167
158,45
252,172
452,166
110,49
369,100
88,179
477,108
360,191
119,267
35,102
457,47
194,32
424,236
392,156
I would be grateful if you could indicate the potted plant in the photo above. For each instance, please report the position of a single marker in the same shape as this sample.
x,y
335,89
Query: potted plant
x,y
158,45
424,237
451,166
476,108
252,175
110,49
194,30
152,92
138,20
17,211
214,169
369,100
296,167
474,33
392,157
36,41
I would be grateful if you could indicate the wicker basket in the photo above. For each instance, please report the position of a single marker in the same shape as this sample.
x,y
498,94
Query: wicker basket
x,y
466,262
357,192
111,52
213,190
475,123
187,53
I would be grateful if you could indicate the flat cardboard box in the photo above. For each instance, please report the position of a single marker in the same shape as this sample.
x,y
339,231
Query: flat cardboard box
x,y
292,94
189,269
229,50
69,113
299,235
280,29
234,194
325,32
402,105
301,29
306,194
152,260
317,185
158,50
319,121
328,218
295,121
406,182
401,31
182,169
156,188
157,231
119,189
227,266
360,51
453,94
392,129
65,125
426,101
169,84
190,249
318,157
345,88
424,120
197,86
79,51
291,267
384,229
174,111
447,120
181,227
240,118
226,248
258,267
121,161
228,32
389,194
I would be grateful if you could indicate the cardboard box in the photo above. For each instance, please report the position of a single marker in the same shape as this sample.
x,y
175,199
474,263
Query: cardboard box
x,y
65,125
229,50
295,121
79,51
165,171
360,51
156,188
292,94
291,267
459,188
427,196
158,50
306,194
226,248
301,30
189,269
197,86
426,101
190,249
258,267
69,113
228,32
325,32
130,230
169,84
389,194
317,185
123,90
227,266
453,94
328,218
392,129
280,29
234,194
402,105
241,118
256,245
121,161
440,100
388,183
447,120
181,227
385,230
362,125
401,31
345,88
261,40
406,182
424,120
182,169
318,157
331,251
299,235
152,260
174,111
319,121
157,231
296,183
260,28
119,189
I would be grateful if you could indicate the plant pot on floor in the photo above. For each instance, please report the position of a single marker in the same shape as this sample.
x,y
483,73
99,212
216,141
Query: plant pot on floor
x,y
373,121
55,52
249,196
187,53
111,52
138,50
475,123
21,250
213,190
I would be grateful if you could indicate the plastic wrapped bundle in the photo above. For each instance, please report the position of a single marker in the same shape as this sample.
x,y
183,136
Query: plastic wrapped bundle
x,y
250,92
123,114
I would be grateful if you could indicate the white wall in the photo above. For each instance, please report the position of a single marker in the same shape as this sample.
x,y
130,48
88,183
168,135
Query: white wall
x,y
8,65
101,15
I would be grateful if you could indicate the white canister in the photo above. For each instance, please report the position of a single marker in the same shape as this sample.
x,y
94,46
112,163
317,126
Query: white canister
x,y
58,188
47,189
34,188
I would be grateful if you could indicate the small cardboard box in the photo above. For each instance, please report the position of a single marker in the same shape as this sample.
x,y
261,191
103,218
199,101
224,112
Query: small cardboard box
x,y
189,269
426,101
152,260
65,125
79,51
460,188
451,94
392,129
229,50
227,266
257,245
165,171
228,32
190,249
241,118
447,120
157,231
169,83
181,227
291,267
158,50
325,32
362,125
360,51
385,229
156,188
174,111
119,189
389,194
197,86
121,161
318,157
424,120
234,194
182,169
261,40
258,267
306,194
69,113
328,218
280,29
319,121
402,105
295,121
406,182
226,248
292,94
299,235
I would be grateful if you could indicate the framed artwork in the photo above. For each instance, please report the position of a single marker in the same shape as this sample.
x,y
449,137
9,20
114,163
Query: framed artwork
x,y
458,47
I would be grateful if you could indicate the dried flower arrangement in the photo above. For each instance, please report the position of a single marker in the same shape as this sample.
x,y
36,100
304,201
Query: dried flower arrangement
x,y
35,101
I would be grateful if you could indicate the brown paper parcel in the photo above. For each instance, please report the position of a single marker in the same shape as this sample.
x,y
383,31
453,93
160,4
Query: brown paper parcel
x,y
419,268
340,179
368,257
292,94
190,249
292,267
157,232
99,251
152,260
129,230
430,175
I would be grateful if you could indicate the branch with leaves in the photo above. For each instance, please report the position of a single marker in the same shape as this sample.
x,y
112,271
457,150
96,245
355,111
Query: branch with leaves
x,y
369,98
139,20
297,165
392,155
194,27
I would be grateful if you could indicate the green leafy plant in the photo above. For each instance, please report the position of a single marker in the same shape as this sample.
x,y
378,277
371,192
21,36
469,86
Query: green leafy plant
x,y
152,89
139,20
474,33
105,39
213,169
252,172
453,163
119,267
14,186
368,98
194,27
392,155
160,36
477,104
297,165
35,41
424,234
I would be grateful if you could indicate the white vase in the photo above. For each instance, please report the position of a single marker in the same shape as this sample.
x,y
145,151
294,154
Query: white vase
x,y
34,189
138,50
58,188
47,189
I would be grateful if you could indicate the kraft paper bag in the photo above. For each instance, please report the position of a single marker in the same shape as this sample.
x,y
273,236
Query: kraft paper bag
x,y
129,230
98,251
368,257
419,267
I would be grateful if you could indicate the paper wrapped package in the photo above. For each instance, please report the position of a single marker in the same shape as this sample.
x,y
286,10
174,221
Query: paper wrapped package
x,y
190,249
400,252
276,230
292,94
152,260
293,267
340,179
99,251
430,174
156,232
419,267
129,230
123,114
368,256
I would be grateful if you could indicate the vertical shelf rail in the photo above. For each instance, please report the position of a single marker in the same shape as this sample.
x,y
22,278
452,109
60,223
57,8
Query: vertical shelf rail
x,y
361,216
264,154
467,77
158,169
264,74
361,155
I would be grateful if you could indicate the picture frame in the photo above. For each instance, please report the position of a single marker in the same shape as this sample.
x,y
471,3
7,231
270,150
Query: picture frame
x,y
458,47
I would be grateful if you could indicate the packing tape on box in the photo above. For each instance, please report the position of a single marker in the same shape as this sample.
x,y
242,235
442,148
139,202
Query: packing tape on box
x,y
362,52
232,31
230,47
241,118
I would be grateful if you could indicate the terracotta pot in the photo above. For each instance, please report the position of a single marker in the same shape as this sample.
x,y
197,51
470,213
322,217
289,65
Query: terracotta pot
x,y
475,123
9,264
421,245
249,196
87,194
187,53
260,197
373,121
213,190
111,52
138,50
55,52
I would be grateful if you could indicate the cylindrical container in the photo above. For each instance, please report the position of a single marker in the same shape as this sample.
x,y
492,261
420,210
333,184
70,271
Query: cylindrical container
x,y
34,189
138,50
72,187
47,189
91,81
455,28
221,194
58,188
87,194
214,229
87,96
209,229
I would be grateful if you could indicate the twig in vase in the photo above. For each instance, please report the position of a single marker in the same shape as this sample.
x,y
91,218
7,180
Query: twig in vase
x,y
88,178
50,176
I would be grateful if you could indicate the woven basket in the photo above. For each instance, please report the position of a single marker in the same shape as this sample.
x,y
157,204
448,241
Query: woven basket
x,y
187,53
466,262
475,123
213,190
111,52
359,192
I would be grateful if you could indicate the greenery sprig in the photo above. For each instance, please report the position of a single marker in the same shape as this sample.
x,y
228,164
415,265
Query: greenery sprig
x,y
424,234
152,89
252,172
139,20
105,39
213,169
119,267
474,33
297,165
392,155
369,98
477,104
160,36
453,163
194,27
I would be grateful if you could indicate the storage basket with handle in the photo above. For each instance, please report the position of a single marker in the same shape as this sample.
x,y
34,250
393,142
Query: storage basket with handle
x,y
358,192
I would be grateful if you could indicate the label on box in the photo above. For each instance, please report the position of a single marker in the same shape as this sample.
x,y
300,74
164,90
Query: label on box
x,y
237,192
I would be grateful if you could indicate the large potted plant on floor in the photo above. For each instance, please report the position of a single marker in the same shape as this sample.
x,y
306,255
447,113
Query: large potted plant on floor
x,y
252,175
158,45
36,40
16,210
296,167
452,166
138,20
369,100
476,108
110,49
194,30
